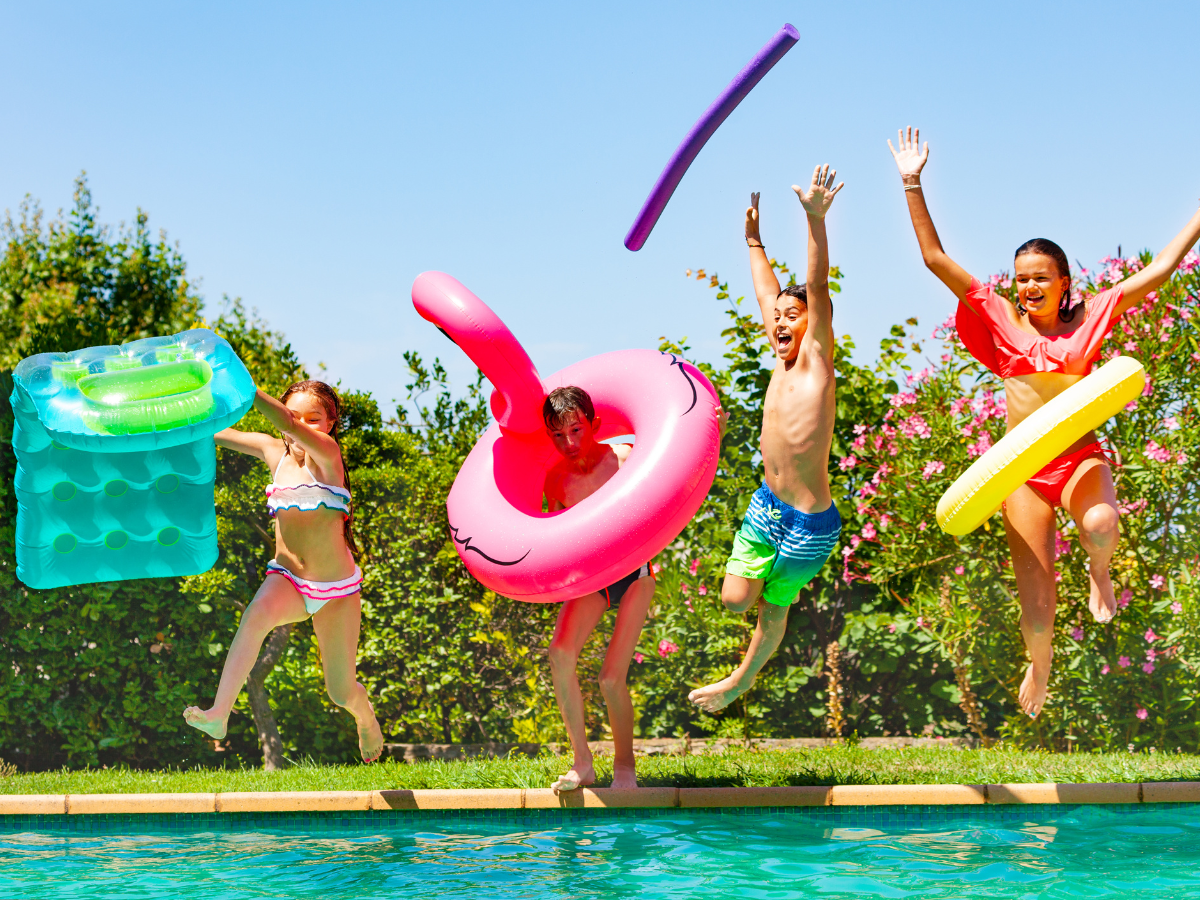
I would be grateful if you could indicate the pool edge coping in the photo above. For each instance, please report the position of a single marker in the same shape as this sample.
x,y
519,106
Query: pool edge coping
x,y
604,798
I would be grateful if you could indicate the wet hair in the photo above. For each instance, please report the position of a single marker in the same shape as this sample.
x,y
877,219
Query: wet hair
x,y
1046,247
563,401
329,399
798,291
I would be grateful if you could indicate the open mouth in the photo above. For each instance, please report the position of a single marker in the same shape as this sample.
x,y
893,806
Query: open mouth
x,y
783,339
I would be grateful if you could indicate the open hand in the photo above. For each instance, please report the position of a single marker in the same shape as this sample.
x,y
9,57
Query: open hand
x,y
752,219
909,161
722,422
819,196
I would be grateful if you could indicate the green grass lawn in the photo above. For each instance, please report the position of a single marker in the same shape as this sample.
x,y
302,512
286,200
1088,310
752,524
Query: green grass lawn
x,y
834,765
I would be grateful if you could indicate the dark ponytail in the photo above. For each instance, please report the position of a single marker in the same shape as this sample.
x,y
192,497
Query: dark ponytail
x,y
1046,247
333,408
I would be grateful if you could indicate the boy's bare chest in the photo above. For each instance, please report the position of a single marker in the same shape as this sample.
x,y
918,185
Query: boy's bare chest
x,y
797,404
575,486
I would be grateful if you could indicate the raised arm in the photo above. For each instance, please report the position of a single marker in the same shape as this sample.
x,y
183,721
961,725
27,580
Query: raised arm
x,y
1138,285
317,445
252,443
816,200
766,285
910,161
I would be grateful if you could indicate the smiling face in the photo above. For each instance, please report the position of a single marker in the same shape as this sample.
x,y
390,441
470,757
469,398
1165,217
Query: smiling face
x,y
1040,285
309,409
574,435
789,325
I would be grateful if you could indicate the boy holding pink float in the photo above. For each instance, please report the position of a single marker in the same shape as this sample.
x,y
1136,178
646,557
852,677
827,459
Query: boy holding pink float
x,y
586,464
792,524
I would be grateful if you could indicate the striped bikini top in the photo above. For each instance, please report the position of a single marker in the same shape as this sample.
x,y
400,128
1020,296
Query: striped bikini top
x,y
311,495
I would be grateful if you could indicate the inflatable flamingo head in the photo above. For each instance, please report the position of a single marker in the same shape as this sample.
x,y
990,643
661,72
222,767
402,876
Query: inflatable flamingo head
x,y
496,509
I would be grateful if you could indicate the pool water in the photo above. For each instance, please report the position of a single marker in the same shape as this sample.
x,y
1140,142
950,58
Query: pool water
x,y
831,852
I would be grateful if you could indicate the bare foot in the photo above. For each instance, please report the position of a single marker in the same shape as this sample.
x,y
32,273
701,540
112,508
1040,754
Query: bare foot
x,y
370,739
624,777
715,697
206,721
577,776
1032,695
1103,601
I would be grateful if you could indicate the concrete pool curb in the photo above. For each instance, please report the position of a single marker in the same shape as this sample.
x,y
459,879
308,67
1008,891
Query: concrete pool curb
x,y
601,798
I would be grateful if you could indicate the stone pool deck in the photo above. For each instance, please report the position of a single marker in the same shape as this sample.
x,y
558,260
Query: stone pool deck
x,y
602,798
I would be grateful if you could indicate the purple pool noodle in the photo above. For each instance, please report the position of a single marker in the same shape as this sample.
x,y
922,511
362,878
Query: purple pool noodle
x,y
742,84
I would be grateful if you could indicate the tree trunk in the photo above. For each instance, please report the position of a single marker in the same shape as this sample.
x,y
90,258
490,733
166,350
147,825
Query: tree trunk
x,y
260,703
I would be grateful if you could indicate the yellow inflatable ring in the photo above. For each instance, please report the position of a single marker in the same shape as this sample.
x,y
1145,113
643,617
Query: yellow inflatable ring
x,y
1020,454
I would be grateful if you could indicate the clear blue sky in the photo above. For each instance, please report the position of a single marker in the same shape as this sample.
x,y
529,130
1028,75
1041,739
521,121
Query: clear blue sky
x,y
313,159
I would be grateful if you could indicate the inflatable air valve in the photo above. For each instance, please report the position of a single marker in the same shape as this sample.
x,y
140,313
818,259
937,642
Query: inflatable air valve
x,y
735,92
495,506
115,458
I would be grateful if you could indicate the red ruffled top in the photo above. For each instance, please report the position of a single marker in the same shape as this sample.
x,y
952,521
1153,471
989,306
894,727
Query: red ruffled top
x,y
992,338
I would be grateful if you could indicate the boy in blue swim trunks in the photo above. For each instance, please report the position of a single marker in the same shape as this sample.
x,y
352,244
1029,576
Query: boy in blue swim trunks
x,y
792,524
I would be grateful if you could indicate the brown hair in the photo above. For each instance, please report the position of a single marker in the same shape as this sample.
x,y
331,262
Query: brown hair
x,y
561,402
1047,247
333,408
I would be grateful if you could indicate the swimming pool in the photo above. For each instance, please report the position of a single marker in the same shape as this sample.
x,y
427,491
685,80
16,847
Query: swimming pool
x,y
1127,851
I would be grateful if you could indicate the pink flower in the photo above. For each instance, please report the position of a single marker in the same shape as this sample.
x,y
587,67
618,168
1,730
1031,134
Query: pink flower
x,y
956,406
688,604
693,566
1142,714
1176,607
1123,662
1060,544
980,447
958,570
921,621
899,400
869,532
915,426
922,526
1157,582
1150,636
637,657
702,590
1129,347
666,648
1132,404
655,568
1057,577
1126,596
884,521
859,443
1104,669
933,467
847,462
1152,654
1170,423
1181,458
892,628
1148,667
684,587
1077,633
881,473
1157,453
860,429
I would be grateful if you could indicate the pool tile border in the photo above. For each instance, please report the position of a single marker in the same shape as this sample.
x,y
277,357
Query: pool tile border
x,y
846,795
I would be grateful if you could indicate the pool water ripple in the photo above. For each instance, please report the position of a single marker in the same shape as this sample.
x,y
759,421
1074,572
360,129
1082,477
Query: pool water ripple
x,y
1042,852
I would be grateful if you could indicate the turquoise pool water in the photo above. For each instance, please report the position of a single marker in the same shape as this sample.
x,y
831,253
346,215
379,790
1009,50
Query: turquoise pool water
x,y
920,852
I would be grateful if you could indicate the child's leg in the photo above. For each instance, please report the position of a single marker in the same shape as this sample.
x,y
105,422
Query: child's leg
x,y
276,603
631,616
1091,500
337,624
576,620
739,593
1029,522
772,623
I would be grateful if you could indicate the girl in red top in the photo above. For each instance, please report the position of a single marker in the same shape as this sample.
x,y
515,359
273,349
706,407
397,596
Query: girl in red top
x,y
1041,347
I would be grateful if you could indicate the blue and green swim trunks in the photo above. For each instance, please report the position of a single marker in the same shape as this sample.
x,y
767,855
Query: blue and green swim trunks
x,y
782,545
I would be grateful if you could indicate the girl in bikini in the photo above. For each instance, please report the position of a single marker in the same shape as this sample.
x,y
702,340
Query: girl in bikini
x,y
313,572
1040,348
